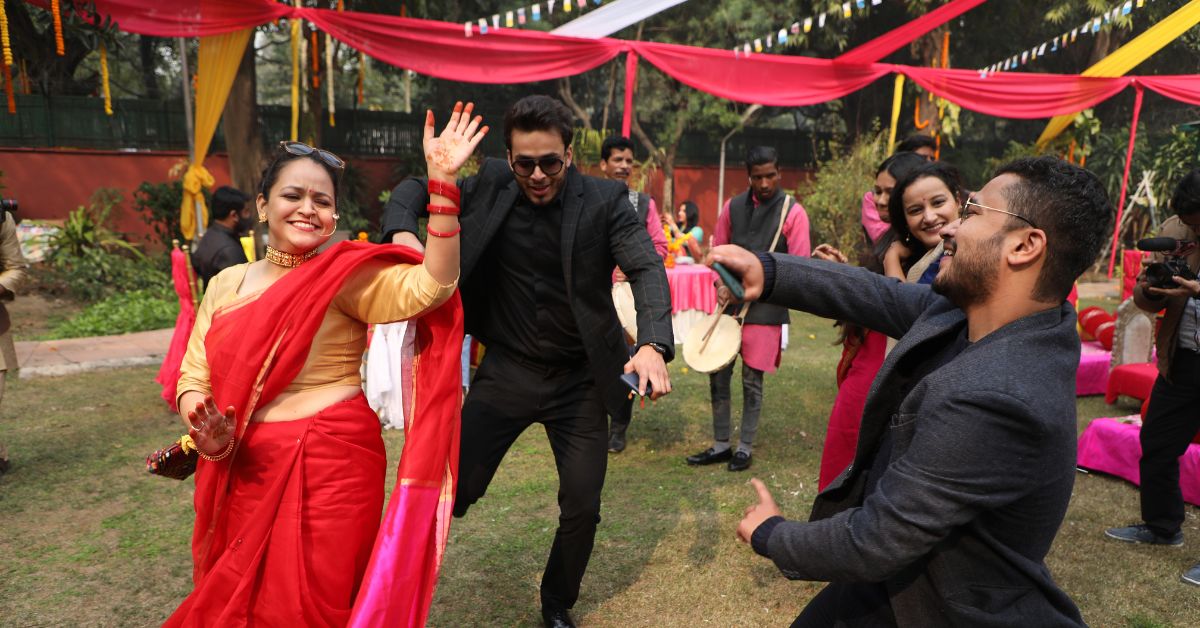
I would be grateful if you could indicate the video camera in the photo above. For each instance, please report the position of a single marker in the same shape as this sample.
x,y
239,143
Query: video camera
x,y
1161,274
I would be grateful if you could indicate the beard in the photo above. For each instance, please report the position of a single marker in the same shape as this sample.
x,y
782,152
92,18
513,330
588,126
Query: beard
x,y
971,277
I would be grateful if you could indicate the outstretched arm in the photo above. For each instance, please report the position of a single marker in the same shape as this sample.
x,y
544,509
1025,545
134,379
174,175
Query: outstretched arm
x,y
827,289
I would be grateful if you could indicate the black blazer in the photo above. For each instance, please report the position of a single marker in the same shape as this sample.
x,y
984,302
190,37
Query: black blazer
x,y
981,467
600,232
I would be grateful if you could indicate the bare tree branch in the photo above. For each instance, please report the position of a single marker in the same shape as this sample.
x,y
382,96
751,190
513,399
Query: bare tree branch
x,y
564,92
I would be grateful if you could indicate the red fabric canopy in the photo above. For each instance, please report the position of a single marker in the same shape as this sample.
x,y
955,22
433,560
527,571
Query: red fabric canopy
x,y
764,79
442,49
891,41
182,18
1017,94
1184,88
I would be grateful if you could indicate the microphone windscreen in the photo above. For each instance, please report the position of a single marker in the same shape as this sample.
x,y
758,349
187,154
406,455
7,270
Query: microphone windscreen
x,y
1157,245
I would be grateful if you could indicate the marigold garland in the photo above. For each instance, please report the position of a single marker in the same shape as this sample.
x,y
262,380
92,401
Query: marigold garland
x,y
108,110
315,51
8,59
60,47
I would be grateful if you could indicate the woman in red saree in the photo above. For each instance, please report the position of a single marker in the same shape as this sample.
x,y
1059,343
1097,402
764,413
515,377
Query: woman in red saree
x,y
290,485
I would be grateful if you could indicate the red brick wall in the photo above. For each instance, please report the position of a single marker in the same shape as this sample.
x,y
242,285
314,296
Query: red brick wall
x,y
48,183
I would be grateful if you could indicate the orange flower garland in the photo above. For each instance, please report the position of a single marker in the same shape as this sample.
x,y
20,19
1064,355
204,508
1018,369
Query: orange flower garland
x,y
8,60
108,110
59,46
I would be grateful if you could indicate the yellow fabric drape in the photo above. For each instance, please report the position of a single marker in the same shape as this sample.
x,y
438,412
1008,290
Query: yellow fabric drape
x,y
1127,57
219,56
247,243
897,98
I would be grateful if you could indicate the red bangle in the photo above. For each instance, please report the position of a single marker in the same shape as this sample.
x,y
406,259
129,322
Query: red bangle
x,y
448,190
444,210
442,234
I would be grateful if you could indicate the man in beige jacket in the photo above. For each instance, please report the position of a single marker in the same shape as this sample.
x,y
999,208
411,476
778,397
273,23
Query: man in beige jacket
x,y
12,275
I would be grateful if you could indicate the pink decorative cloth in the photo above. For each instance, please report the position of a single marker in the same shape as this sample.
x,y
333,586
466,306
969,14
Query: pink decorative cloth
x,y
871,221
1131,267
168,373
761,348
693,287
1110,445
1092,376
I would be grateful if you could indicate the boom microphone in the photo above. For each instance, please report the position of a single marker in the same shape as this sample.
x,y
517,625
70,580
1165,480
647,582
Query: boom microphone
x,y
1169,246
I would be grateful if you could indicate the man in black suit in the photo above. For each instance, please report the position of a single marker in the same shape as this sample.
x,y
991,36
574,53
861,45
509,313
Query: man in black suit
x,y
539,242
966,458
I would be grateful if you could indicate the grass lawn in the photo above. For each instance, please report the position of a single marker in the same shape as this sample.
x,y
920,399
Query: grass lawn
x,y
88,538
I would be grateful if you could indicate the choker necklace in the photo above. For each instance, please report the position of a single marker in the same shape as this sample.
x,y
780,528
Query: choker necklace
x,y
287,260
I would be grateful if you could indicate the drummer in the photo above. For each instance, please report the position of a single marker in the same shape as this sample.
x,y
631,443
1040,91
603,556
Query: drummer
x,y
616,162
751,220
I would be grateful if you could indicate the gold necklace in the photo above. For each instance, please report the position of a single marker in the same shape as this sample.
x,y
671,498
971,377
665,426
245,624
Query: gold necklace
x,y
287,260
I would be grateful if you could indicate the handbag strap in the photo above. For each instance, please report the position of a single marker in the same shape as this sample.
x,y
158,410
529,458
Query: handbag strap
x,y
783,214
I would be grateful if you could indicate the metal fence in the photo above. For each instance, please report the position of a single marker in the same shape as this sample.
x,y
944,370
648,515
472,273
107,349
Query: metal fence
x,y
137,124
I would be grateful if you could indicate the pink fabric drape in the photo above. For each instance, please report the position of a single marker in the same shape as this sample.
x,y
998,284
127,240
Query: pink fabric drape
x,y
441,49
772,80
168,373
1017,94
893,40
631,61
444,50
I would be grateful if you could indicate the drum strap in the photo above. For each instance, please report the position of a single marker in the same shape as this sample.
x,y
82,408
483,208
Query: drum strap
x,y
783,214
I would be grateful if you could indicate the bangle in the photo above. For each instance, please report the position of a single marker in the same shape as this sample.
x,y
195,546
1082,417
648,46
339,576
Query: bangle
x,y
442,234
221,456
444,210
448,190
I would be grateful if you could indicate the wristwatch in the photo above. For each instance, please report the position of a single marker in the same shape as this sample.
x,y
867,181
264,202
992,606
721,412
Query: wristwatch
x,y
660,348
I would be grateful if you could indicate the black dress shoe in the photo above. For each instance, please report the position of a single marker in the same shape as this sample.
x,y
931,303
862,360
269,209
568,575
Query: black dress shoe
x,y
616,440
557,618
708,456
740,461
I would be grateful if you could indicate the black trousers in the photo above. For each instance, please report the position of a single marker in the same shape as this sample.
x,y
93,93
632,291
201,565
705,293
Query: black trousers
x,y
508,395
846,605
1170,424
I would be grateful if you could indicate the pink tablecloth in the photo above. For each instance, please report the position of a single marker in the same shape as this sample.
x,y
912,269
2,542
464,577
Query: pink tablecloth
x,y
1110,446
692,288
1092,376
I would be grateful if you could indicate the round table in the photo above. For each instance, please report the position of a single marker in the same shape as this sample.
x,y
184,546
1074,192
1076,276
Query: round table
x,y
693,296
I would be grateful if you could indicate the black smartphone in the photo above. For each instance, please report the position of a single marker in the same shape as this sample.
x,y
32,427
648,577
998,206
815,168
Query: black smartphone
x,y
733,283
631,380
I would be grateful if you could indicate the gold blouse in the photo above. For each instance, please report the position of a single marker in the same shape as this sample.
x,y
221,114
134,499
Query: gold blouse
x,y
378,293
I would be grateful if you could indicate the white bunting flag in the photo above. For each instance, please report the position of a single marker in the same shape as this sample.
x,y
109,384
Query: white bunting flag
x,y
821,21
521,15
467,29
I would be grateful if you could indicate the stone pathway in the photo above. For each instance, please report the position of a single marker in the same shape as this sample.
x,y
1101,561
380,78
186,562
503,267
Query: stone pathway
x,y
41,358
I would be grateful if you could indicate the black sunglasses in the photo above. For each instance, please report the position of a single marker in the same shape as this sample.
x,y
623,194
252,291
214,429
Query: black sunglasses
x,y
300,148
550,165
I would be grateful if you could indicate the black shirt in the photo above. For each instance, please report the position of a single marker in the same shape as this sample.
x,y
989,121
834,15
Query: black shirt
x,y
218,249
528,311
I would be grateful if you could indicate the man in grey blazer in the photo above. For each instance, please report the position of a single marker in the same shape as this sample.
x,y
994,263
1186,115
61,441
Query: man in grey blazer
x,y
966,456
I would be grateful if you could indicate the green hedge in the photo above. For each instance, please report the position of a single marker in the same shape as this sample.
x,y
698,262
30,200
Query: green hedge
x,y
121,313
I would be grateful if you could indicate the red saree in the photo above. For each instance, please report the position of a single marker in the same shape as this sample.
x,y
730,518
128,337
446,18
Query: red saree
x,y
283,526
854,382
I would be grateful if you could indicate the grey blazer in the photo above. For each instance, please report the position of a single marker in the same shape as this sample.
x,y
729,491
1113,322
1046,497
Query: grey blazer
x,y
981,466
599,231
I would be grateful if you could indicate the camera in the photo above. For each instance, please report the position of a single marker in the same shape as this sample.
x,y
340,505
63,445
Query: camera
x,y
1161,274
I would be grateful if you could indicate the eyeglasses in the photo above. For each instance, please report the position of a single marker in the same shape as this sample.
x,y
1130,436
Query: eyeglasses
x,y
550,165
964,213
300,148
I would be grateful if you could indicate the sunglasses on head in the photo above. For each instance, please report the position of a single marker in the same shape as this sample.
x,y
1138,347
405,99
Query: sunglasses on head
x,y
550,165
300,148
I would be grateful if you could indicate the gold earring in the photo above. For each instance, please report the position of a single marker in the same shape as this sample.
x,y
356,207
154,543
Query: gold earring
x,y
262,217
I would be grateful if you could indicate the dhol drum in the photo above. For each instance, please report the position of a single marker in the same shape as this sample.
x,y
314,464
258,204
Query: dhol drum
x,y
622,295
714,344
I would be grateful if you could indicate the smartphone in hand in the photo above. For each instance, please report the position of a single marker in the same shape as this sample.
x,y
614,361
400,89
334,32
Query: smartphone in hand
x,y
733,283
631,380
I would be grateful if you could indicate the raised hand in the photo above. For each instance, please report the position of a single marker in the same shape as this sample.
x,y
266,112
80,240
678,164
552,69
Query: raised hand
x,y
211,429
446,153
756,514
830,254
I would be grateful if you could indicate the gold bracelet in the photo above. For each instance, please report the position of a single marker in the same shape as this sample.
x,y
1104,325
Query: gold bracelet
x,y
221,456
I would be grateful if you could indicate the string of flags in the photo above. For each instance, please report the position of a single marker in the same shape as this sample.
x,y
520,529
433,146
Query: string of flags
x,y
521,16
1066,38
788,36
